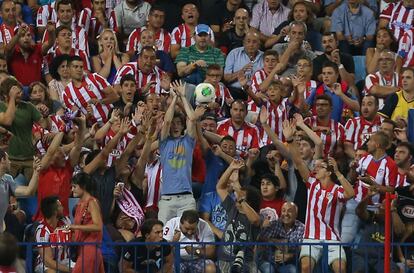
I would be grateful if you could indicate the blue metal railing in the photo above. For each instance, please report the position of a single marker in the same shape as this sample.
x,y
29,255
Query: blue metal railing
x,y
323,267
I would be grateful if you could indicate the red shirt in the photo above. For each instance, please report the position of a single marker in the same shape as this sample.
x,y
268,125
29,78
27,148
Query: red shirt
x,y
271,210
55,181
7,269
27,70
199,165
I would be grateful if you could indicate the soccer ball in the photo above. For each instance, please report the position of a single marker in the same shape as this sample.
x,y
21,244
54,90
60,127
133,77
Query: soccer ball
x,y
204,93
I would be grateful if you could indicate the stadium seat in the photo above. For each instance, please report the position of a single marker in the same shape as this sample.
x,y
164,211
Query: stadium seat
x,y
360,69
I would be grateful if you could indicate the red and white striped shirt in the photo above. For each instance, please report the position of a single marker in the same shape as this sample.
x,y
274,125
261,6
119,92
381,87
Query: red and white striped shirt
x,y
79,38
47,60
92,87
400,18
405,48
7,33
56,125
323,210
384,171
402,180
46,13
42,235
182,35
140,77
358,130
222,95
153,172
277,114
121,146
162,40
258,77
247,137
381,80
92,26
335,134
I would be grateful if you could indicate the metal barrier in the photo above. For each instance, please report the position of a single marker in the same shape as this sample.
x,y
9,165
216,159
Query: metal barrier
x,y
353,251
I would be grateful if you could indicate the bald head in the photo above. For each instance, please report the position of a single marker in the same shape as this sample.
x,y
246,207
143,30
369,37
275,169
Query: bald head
x,y
289,213
251,43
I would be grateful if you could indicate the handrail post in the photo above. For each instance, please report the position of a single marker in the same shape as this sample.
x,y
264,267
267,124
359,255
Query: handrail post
x,y
29,258
387,242
177,256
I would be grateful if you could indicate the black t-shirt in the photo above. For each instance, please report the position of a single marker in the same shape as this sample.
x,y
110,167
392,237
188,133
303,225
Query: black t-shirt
x,y
405,204
105,185
346,60
143,258
238,229
220,14
372,232
230,40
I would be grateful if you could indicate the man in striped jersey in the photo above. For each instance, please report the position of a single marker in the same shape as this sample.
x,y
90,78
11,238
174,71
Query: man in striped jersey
x,y
90,94
155,22
184,34
385,81
325,201
398,17
245,134
331,132
148,77
57,258
403,158
375,169
359,129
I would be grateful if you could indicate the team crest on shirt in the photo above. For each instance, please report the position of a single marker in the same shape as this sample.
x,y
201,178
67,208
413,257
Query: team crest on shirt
x,y
380,171
158,43
365,137
329,196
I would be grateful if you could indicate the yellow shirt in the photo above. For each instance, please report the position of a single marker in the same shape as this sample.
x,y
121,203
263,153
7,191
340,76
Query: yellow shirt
x,y
396,106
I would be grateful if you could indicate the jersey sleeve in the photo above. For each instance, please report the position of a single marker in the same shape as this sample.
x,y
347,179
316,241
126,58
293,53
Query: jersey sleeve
x,y
169,230
387,12
121,72
389,106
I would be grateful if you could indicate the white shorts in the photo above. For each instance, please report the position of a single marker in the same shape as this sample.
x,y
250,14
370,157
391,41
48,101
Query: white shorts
x,y
335,252
41,267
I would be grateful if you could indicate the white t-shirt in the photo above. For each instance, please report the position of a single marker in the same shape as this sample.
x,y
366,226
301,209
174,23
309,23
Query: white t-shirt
x,y
203,234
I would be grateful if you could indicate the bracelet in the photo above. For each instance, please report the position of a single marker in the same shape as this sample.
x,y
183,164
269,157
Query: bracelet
x,y
341,66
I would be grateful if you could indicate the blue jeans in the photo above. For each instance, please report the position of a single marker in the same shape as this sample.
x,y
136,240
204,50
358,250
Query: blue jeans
x,y
268,267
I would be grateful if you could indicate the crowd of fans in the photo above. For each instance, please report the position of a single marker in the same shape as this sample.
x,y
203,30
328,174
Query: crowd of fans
x,y
206,121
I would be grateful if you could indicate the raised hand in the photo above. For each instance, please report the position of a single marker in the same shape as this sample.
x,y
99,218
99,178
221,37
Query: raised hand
x,y
333,163
216,149
237,164
179,88
199,111
36,164
124,128
289,129
253,153
299,119
114,116
15,92
165,81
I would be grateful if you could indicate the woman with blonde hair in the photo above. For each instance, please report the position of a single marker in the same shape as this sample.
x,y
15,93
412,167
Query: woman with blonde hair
x,y
109,59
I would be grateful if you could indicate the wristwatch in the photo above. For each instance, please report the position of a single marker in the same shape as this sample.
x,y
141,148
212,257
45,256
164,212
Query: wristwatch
x,y
198,252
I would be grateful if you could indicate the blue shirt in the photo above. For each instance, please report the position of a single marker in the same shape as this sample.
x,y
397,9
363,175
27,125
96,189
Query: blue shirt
x,y
215,166
337,103
358,25
211,203
176,156
237,59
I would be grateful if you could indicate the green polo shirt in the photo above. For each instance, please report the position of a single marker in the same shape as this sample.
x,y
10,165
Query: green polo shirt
x,y
21,146
191,54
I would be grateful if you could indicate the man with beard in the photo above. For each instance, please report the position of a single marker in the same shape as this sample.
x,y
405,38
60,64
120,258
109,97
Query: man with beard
x,y
344,61
27,56
403,157
359,129
148,77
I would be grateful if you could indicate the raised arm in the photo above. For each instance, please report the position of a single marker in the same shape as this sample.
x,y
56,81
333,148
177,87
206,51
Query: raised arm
x,y
222,184
34,181
263,117
289,130
7,117
79,138
349,190
168,117
101,132
191,117
51,31
54,146
311,134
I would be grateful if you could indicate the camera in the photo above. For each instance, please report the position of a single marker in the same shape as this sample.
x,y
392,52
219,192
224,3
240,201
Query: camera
x,y
238,263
